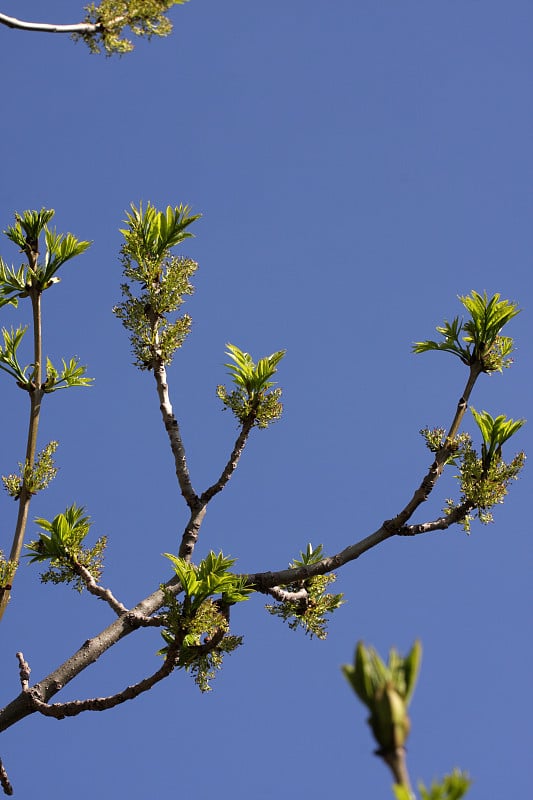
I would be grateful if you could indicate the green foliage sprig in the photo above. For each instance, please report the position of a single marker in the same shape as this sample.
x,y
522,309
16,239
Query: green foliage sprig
x,y
8,356
111,17
7,571
386,690
163,281
36,277
35,477
199,623
450,787
484,479
312,611
484,486
253,396
61,543
478,340
495,432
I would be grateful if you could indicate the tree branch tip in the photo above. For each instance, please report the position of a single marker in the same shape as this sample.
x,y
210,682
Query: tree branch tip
x,y
4,780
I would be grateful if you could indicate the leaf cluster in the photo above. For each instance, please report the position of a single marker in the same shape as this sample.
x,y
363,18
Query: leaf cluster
x,y
202,638
484,479
386,690
34,477
451,787
495,432
199,623
253,399
311,612
477,341
211,577
36,277
484,486
163,281
436,439
143,17
7,570
72,373
61,543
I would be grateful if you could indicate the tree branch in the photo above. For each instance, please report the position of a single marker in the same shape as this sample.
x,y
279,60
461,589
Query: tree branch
x,y
233,460
395,760
4,780
75,707
98,591
440,524
45,27
36,394
261,581
176,444
441,457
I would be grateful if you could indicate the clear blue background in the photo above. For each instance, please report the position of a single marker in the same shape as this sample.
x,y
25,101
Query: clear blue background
x,y
358,165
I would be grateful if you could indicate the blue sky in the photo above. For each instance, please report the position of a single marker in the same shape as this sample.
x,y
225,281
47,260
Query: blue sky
x,y
357,166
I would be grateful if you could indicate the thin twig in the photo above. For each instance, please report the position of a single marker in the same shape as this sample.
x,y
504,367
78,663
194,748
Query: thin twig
x,y
4,780
441,524
46,27
233,460
75,707
36,394
98,591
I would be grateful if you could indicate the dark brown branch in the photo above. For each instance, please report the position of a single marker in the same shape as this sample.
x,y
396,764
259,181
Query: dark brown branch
x,y
264,581
441,458
233,461
4,780
441,524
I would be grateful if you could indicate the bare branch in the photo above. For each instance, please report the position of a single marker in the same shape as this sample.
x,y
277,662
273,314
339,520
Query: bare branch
x,y
98,591
45,27
441,524
441,457
264,581
75,707
24,672
176,444
4,780
233,461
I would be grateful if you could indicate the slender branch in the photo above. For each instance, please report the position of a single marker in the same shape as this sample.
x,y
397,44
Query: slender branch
x,y
75,707
261,581
395,760
45,27
4,780
441,524
36,394
176,444
264,581
422,493
233,460
98,591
